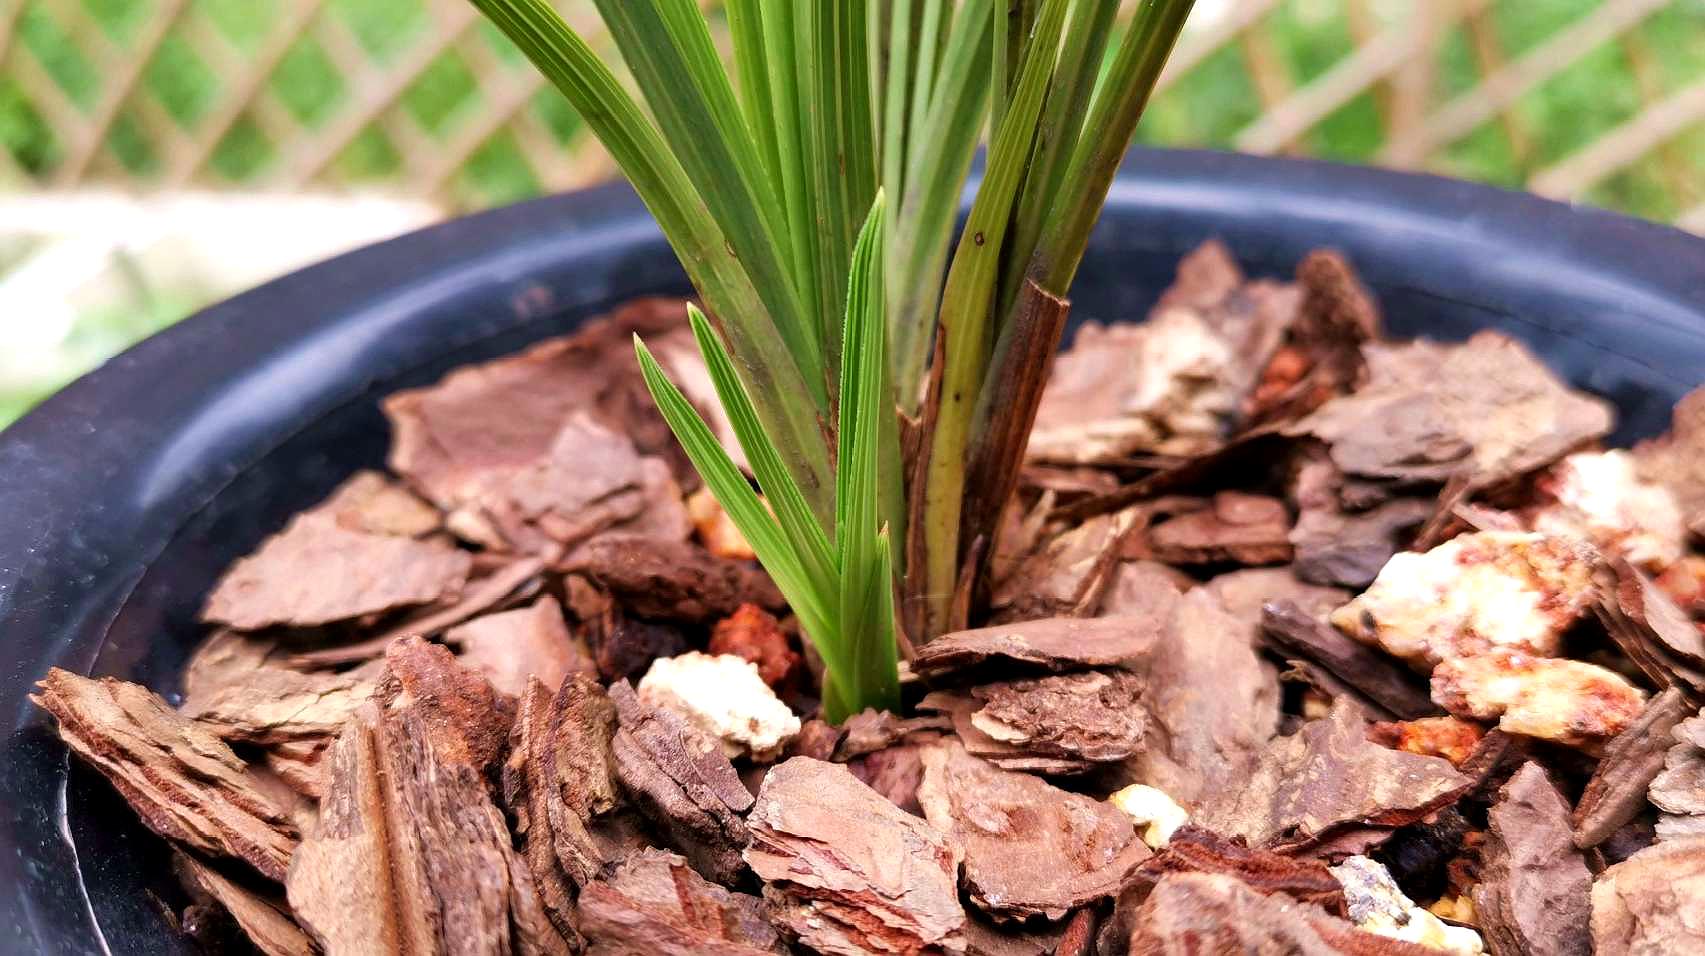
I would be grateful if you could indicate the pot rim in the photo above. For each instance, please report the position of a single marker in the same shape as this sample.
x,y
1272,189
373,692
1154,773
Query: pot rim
x,y
174,431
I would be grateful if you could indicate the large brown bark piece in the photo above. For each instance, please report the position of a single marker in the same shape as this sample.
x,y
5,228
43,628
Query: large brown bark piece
x,y
183,781
1031,850
846,871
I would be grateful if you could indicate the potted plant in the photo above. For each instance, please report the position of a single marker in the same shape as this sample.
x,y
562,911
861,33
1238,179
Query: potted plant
x,y
861,220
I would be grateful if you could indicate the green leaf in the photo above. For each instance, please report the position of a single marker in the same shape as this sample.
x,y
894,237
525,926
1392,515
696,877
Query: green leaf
x,y
767,365
893,69
840,143
667,46
746,23
809,598
964,322
866,577
805,535
1113,116
942,142
1061,125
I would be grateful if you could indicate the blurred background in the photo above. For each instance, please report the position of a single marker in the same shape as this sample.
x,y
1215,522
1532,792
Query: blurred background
x,y
156,155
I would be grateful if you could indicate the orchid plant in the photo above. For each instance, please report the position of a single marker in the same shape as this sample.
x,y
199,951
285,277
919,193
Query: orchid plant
x,y
880,388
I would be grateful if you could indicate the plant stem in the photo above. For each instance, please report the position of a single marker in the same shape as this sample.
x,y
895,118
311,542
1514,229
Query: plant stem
x,y
965,338
1005,415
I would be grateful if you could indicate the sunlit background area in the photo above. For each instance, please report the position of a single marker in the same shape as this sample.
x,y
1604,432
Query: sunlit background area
x,y
156,155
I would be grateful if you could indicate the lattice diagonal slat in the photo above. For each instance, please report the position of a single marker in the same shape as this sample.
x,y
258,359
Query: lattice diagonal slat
x,y
418,97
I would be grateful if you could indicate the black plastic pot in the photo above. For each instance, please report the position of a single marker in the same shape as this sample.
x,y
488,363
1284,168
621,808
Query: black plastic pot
x,y
123,497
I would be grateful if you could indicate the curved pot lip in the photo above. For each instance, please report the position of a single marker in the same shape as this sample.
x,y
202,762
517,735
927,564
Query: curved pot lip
x,y
100,476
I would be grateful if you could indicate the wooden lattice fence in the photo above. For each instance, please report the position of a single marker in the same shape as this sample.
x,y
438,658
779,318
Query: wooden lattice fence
x,y
1593,100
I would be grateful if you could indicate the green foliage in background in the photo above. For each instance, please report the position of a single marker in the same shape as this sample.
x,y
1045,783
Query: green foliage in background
x,y
1207,107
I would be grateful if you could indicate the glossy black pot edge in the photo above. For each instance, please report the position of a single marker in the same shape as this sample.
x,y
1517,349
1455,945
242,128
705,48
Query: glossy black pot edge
x,y
102,476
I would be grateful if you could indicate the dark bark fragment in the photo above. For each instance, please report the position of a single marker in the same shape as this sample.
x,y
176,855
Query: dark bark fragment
x,y
1483,411
983,938
1423,856
506,585
183,782
1195,850
1193,913
236,686
1291,631
654,904
1212,702
1329,776
571,821
1078,939
591,823
1176,384
869,731
672,580
509,647
1068,575
1141,588
479,442
1349,548
410,854
372,503
847,872
455,705
262,915
297,764
1679,791
1058,644
896,772
818,739
1234,526
527,795
1533,898
680,780
1226,466
961,707
1244,593
1031,850
1093,716
1321,354
1616,793
1650,629
316,571
624,647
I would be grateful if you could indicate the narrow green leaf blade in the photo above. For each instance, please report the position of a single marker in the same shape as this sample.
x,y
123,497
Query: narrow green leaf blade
x,y
871,674
806,536
866,573
863,382
774,380
1113,116
746,23
942,142
668,47
840,144
1062,124
809,600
